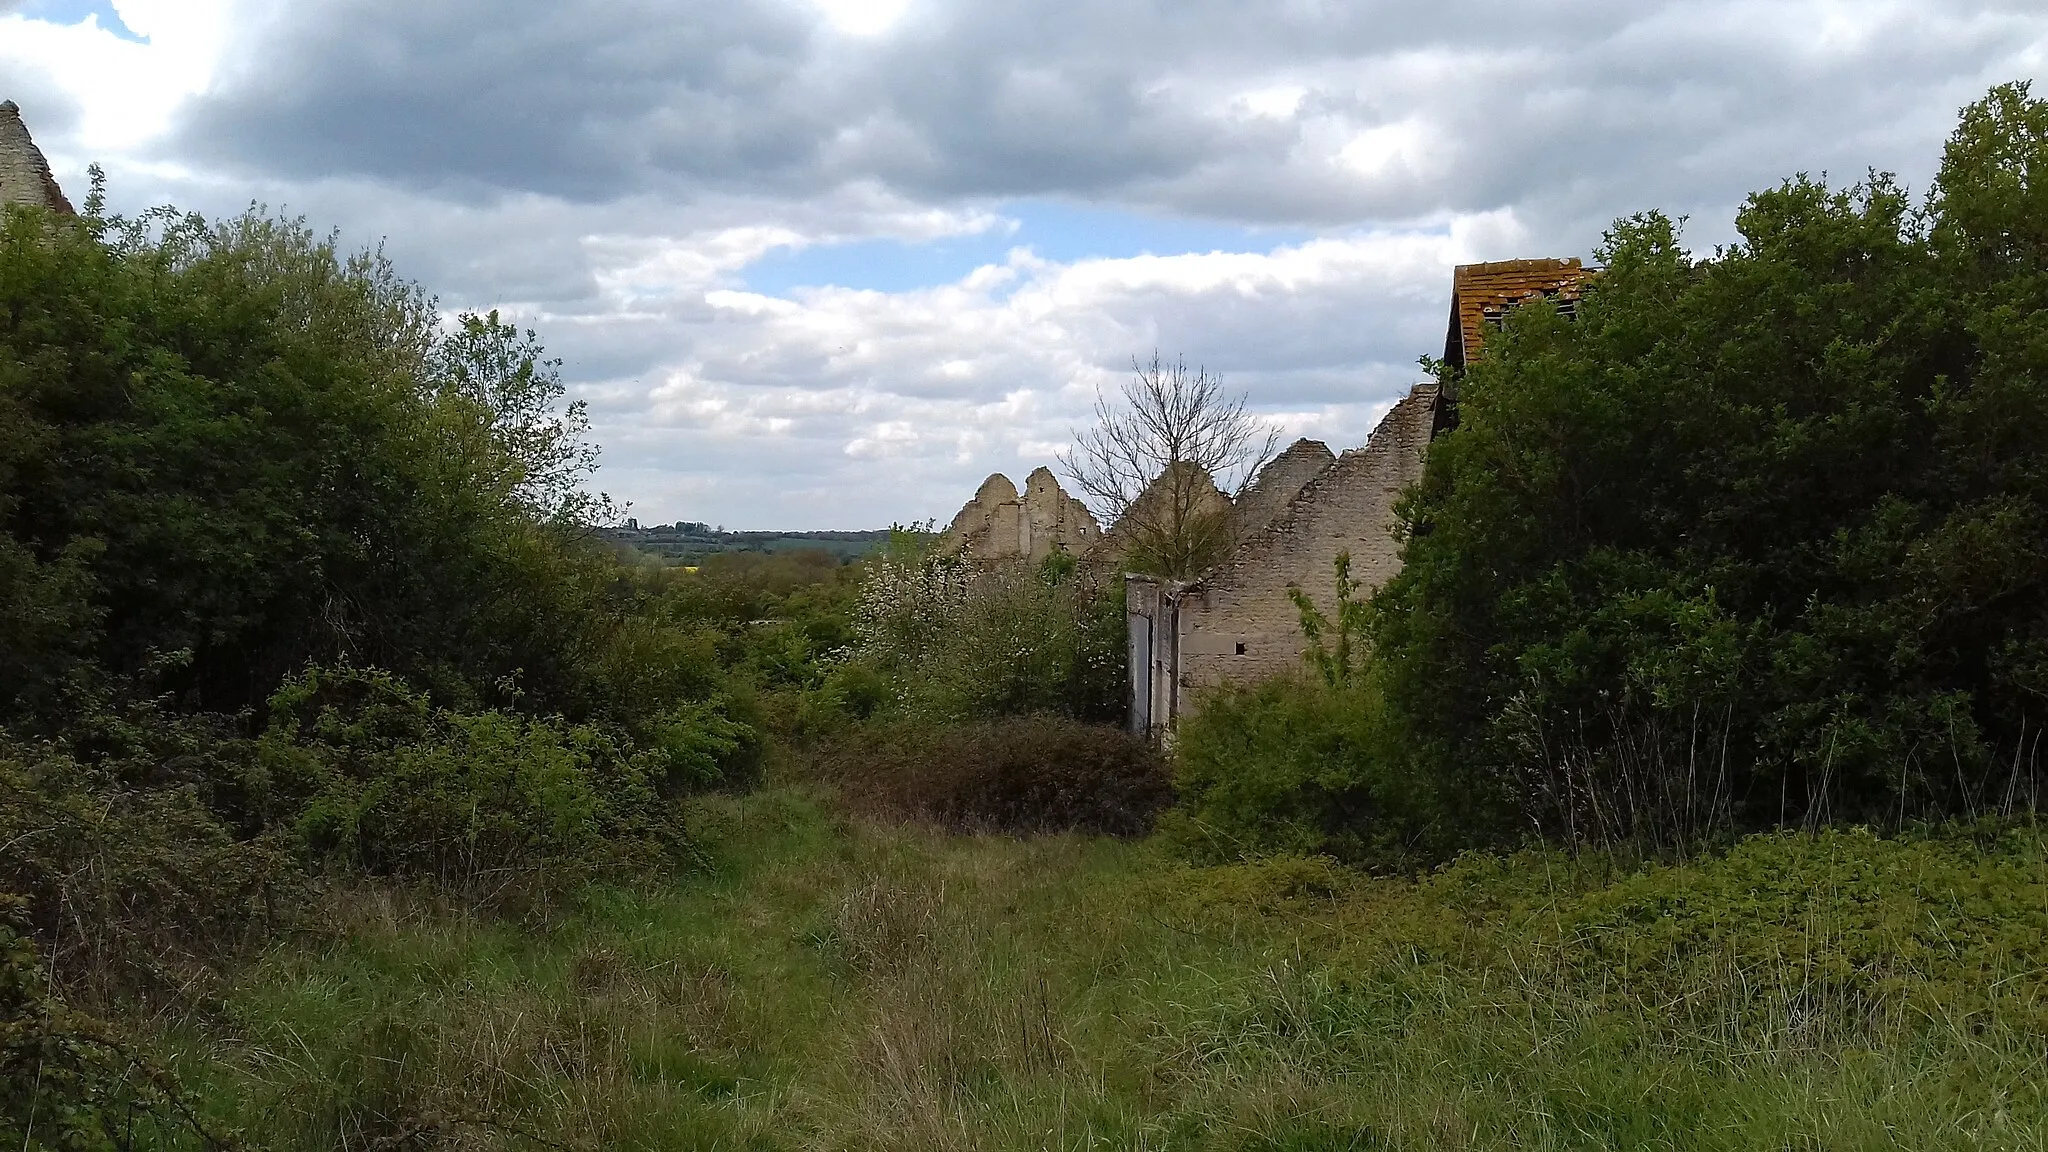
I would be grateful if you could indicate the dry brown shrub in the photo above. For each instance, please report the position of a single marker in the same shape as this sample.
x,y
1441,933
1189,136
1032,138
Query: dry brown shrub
x,y
1029,774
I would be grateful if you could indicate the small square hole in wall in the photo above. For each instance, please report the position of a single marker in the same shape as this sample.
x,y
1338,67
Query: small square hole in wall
x,y
1240,647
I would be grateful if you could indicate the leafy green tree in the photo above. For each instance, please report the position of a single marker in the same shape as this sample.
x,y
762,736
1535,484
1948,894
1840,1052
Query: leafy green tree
x,y
1758,538
230,449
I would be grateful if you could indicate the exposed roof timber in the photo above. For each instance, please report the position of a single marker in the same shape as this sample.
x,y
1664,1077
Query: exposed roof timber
x,y
1482,292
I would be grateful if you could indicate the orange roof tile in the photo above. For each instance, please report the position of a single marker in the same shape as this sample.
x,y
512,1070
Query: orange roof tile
x,y
1481,293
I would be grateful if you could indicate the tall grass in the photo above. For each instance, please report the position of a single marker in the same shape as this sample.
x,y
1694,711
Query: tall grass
x,y
840,984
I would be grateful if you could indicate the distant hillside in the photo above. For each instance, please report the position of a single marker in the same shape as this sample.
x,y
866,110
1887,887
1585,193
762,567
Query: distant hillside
x,y
688,541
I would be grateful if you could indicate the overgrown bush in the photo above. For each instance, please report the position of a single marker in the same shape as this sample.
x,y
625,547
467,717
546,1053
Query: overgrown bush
x,y
129,881
67,1080
393,785
1016,774
1299,765
1311,763
231,453
230,449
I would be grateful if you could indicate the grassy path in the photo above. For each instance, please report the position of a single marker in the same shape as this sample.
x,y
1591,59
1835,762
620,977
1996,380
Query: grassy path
x,y
846,985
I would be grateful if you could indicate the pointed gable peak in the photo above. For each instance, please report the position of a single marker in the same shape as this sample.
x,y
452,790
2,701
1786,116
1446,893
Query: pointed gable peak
x,y
997,489
24,174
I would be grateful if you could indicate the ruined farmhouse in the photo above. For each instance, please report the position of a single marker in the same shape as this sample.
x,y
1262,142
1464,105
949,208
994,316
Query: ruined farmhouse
x,y
999,524
1238,622
24,174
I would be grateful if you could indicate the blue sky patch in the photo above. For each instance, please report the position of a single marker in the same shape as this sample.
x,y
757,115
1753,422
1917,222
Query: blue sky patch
x,y
75,12
1055,231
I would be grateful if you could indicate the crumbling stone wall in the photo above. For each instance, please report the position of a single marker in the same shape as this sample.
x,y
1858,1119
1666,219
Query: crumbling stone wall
x,y
1279,482
1207,510
24,175
1000,524
1238,623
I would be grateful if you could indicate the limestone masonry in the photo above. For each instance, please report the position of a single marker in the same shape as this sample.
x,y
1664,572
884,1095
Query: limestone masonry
x,y
24,174
1280,481
1237,622
999,525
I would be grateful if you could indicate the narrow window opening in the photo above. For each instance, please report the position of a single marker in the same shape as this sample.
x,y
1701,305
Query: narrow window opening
x,y
1240,647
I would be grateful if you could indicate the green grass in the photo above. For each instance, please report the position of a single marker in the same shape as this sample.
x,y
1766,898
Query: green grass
x,y
847,985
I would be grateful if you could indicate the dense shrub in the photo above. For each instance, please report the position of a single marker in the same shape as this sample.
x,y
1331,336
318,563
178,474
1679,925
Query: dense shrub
x,y
1016,774
230,453
1312,763
1297,764
393,785
1755,539
129,881
230,449
1841,941
67,1081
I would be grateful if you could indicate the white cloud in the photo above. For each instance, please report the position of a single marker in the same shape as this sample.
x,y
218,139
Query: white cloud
x,y
863,17
861,406
125,92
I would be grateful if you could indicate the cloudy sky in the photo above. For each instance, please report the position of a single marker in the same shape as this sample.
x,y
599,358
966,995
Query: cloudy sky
x,y
827,263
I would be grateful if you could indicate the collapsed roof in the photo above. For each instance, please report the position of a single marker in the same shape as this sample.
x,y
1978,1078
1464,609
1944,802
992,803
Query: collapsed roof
x,y
1482,294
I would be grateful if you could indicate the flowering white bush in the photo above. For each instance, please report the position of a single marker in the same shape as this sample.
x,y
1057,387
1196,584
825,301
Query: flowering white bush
x,y
961,638
909,600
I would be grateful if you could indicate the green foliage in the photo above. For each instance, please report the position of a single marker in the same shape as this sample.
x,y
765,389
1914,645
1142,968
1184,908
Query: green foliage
x,y
238,465
1875,927
763,639
233,443
1312,763
396,786
1298,764
128,875
66,1082
849,984
516,392
1756,539
1336,649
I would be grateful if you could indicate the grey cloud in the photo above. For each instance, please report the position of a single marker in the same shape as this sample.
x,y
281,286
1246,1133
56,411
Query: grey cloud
x,y
1111,100
569,99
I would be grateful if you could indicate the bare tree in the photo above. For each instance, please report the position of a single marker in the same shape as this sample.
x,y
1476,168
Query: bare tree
x,y
1155,465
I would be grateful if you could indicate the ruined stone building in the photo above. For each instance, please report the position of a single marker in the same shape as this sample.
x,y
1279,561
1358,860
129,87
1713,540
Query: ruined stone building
x,y
24,174
998,524
1238,622
1181,517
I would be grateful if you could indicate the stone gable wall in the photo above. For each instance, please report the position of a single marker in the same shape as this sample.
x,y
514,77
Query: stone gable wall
x,y
24,175
1279,482
1001,524
1116,542
1239,624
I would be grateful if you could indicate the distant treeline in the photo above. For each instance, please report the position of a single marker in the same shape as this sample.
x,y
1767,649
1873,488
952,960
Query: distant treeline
x,y
688,541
